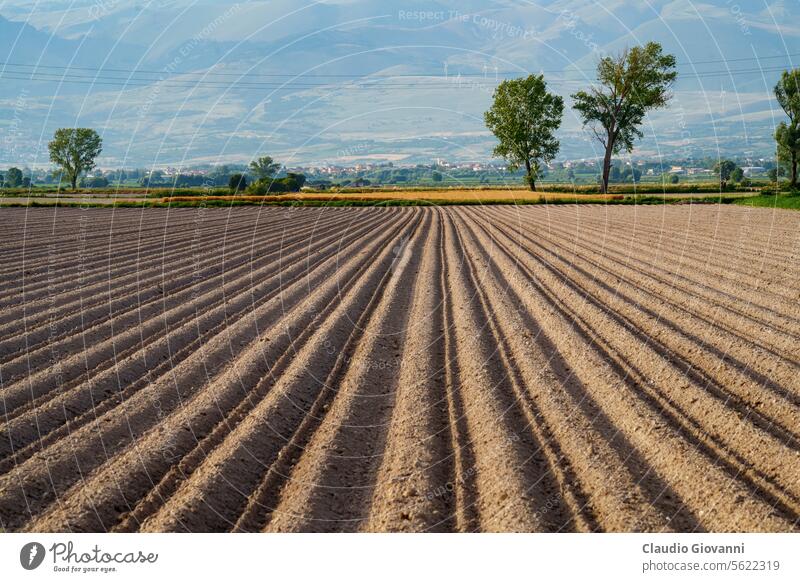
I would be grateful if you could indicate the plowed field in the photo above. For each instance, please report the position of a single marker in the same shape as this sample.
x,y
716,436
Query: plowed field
x,y
568,368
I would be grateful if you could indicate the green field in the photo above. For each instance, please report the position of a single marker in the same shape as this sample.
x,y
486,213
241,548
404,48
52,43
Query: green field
x,y
790,201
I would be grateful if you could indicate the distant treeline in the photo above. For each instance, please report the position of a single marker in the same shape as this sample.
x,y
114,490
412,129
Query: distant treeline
x,y
429,175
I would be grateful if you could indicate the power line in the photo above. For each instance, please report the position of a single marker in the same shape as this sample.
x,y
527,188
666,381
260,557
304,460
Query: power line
x,y
361,75
96,79
358,84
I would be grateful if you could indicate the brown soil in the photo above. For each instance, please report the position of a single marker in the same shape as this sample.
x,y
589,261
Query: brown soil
x,y
561,368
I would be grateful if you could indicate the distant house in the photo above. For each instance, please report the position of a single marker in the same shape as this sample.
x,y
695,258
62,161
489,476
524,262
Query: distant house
x,y
750,170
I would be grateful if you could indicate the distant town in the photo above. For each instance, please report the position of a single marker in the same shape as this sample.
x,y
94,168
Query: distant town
x,y
387,174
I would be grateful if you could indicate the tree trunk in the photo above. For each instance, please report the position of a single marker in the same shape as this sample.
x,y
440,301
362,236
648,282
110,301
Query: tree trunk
x,y
794,169
74,180
529,176
607,166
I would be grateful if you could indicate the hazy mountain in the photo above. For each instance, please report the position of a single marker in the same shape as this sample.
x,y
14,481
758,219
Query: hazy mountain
x,y
339,80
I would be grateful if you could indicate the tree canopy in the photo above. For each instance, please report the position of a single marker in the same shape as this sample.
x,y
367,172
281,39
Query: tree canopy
x,y
264,168
237,183
524,118
74,150
787,135
13,178
725,170
629,85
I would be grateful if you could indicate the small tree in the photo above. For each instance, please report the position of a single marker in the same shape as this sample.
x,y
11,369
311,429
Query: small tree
x,y
775,174
737,175
524,118
96,182
724,170
293,182
237,183
14,178
632,175
674,179
264,168
75,151
787,92
631,84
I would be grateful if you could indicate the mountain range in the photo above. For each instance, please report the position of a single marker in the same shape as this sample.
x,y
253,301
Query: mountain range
x,y
343,81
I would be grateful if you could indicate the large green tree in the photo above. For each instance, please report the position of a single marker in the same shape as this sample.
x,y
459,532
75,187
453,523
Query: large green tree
x,y
524,118
264,168
788,138
629,85
74,150
787,91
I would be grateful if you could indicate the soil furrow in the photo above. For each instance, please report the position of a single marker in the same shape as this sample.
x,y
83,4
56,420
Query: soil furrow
x,y
330,485
109,348
77,403
416,489
95,304
171,451
552,287
535,368
133,417
711,361
584,446
648,270
215,496
739,423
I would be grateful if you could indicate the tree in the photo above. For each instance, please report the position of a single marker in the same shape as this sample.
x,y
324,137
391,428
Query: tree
x,y
14,178
737,175
776,173
788,138
75,150
237,183
787,92
632,175
437,176
290,183
524,118
264,168
724,170
636,81
674,179
96,182
294,182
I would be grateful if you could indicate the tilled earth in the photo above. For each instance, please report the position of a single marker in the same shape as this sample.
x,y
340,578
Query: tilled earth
x,y
561,368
